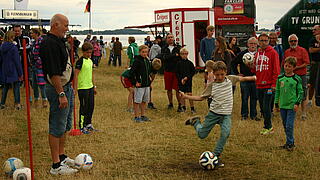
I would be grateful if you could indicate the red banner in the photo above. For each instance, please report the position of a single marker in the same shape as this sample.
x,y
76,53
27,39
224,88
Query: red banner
x,y
233,7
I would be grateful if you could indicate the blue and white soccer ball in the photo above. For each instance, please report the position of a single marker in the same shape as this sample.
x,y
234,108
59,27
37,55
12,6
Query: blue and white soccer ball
x,y
83,161
22,174
208,160
248,58
11,164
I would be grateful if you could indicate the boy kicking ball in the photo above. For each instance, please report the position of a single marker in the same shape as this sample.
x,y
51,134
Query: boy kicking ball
x,y
220,90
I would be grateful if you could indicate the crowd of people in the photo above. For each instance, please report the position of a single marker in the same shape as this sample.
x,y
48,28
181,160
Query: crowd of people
x,y
51,74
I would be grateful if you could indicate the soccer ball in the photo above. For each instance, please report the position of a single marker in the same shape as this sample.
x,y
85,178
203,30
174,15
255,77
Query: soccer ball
x,y
208,160
83,161
22,174
11,164
248,58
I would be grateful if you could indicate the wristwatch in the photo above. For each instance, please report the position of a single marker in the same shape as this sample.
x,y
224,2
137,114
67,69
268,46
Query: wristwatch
x,y
62,94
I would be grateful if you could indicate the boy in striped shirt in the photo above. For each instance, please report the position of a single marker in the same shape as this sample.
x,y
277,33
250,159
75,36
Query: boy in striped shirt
x,y
220,90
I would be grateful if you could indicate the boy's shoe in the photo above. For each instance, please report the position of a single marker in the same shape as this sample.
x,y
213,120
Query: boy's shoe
x,y
2,106
220,163
180,109
256,118
137,119
67,162
145,118
192,120
84,131
17,106
309,105
151,106
130,110
90,127
193,111
266,131
283,146
63,170
244,118
170,106
290,147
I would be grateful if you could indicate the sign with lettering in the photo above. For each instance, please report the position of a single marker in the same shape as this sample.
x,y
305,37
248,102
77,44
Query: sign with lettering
x,y
162,17
176,26
19,14
233,7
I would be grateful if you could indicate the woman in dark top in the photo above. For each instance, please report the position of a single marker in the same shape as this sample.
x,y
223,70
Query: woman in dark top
x,y
221,53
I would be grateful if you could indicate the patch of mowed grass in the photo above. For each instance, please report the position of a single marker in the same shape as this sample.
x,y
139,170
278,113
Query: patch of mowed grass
x,y
164,148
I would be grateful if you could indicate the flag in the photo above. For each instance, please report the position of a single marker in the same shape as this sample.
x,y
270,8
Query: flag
x,y
21,4
88,6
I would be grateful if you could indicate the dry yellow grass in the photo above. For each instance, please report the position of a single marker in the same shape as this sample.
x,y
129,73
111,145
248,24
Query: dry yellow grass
x,y
164,148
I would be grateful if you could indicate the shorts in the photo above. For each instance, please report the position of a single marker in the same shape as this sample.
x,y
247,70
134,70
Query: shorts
x,y
304,86
170,81
60,120
126,82
141,95
314,68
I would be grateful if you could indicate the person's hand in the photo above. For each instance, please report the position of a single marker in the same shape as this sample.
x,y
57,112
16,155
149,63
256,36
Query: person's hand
x,y
138,84
95,90
20,78
295,108
63,102
182,95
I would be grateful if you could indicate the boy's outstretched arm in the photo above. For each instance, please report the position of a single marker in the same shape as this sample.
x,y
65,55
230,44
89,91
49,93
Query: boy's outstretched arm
x,y
194,98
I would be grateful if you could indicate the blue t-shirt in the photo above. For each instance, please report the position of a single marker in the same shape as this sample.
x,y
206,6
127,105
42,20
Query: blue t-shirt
x,y
206,48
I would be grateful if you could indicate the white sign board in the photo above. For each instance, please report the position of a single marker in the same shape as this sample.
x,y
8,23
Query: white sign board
x,y
162,17
177,26
19,14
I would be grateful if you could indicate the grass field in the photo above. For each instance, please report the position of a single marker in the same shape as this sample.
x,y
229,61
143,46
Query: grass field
x,y
164,148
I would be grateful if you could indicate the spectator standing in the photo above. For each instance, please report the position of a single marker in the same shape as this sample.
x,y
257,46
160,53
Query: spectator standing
x,y
248,88
117,49
302,58
111,55
57,68
148,42
207,45
11,69
314,50
221,53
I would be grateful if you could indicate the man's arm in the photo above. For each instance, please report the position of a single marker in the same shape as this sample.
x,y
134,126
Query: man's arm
x,y
56,82
314,50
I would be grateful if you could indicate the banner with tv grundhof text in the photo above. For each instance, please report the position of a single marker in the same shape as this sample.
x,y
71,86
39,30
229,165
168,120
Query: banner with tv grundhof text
x,y
21,4
233,7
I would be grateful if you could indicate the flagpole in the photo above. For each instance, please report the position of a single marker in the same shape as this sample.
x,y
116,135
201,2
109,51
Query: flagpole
x,y
90,21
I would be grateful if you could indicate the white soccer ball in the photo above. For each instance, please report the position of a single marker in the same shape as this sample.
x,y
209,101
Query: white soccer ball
x,y
83,161
11,164
22,174
248,58
208,160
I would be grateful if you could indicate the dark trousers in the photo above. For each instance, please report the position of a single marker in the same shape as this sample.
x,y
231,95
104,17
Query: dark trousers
x,y
117,57
265,97
248,90
86,98
16,92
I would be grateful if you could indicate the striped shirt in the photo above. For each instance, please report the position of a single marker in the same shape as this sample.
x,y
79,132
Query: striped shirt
x,y
222,98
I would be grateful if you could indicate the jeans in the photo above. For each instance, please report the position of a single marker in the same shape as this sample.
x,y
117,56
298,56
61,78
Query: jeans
x,y
16,92
210,121
36,86
288,117
248,89
115,60
86,98
95,60
265,97
60,119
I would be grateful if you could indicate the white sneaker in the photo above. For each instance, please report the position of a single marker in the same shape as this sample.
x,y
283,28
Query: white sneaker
x,y
309,105
68,162
63,170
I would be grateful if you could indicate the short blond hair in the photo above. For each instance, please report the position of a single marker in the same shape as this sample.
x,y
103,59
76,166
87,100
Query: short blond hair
x,y
184,50
210,28
209,64
219,65
142,47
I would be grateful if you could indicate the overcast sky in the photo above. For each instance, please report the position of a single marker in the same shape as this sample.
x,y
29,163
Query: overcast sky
x,y
120,13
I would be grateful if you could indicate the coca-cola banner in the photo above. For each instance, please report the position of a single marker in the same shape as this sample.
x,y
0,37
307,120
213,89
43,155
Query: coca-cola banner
x,y
21,4
233,7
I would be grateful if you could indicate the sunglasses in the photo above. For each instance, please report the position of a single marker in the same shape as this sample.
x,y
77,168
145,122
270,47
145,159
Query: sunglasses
x,y
263,40
293,41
